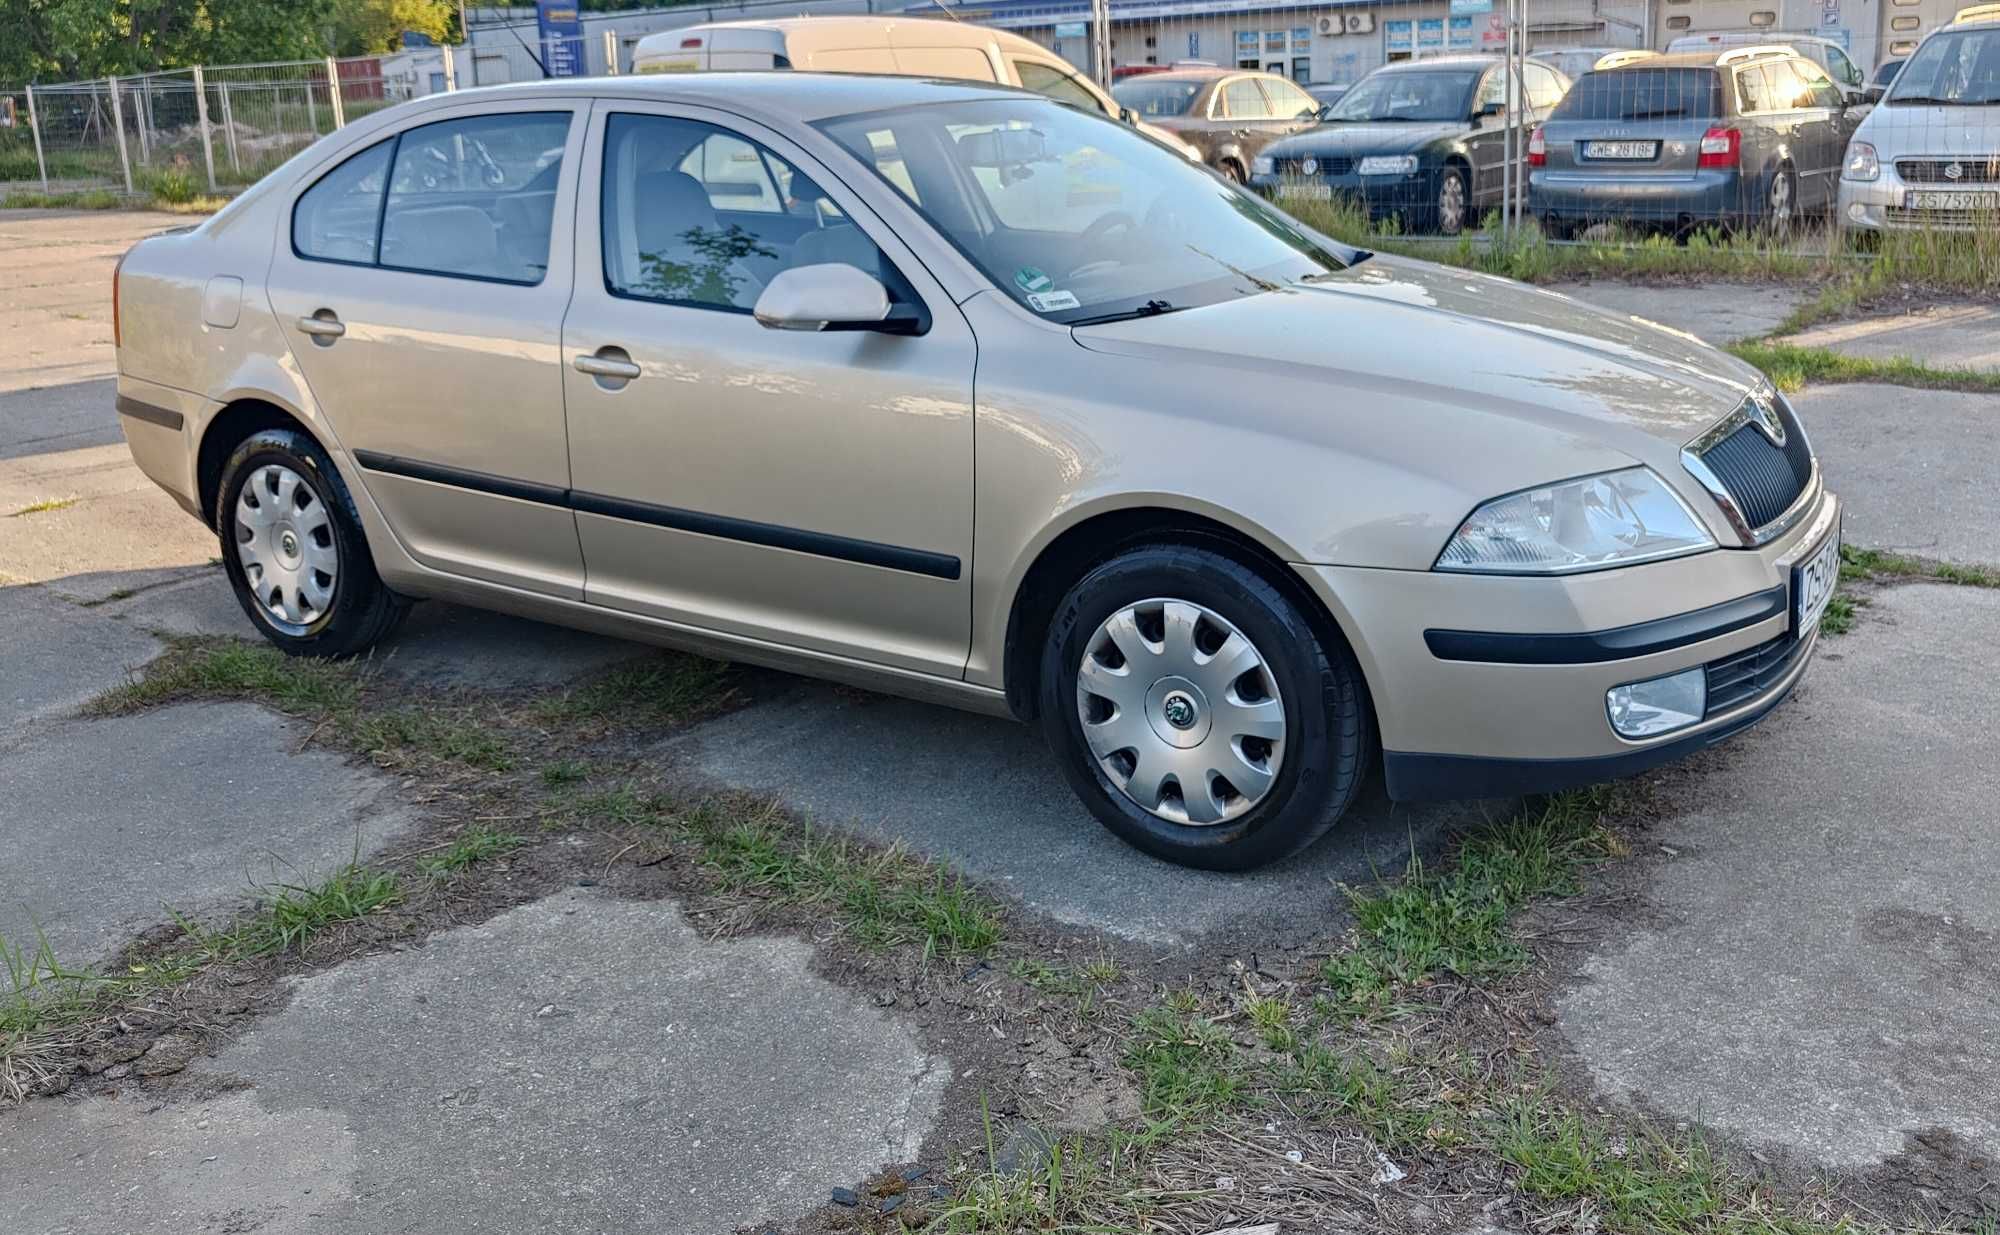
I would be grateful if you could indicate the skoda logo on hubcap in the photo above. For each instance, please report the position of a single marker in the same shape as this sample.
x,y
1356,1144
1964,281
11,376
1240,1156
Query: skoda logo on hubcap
x,y
1179,711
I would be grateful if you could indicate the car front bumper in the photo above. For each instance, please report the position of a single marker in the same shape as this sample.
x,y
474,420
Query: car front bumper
x,y
1587,197
1487,686
1409,195
1881,205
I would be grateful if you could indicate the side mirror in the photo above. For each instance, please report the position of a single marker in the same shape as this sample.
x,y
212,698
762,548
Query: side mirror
x,y
831,296
1872,95
1127,115
1492,107
1325,110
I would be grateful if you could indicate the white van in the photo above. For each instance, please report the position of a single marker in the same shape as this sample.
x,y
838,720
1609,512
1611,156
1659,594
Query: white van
x,y
1826,53
904,46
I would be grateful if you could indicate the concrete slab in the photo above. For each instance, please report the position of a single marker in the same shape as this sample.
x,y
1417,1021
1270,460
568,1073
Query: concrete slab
x,y
1952,336
1827,977
984,796
58,656
104,822
55,290
589,1062
1915,466
1716,312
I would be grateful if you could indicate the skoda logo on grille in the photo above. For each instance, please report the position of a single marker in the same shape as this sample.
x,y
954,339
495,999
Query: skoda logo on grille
x,y
1765,417
1309,166
1953,171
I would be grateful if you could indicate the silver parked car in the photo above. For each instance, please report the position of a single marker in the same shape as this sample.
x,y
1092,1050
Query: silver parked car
x,y
1751,137
1928,157
956,392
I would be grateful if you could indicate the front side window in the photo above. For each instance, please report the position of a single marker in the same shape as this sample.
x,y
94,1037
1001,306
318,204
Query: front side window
x,y
1411,94
337,220
695,215
1077,218
1841,67
1287,100
1959,68
1058,85
475,198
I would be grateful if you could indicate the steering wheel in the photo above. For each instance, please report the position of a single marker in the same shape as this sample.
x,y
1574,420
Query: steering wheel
x,y
1094,235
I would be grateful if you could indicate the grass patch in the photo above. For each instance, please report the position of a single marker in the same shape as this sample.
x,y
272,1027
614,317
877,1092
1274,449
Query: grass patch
x,y
1791,367
1189,1067
290,915
46,505
444,733
1878,564
216,668
1840,612
661,690
83,199
473,846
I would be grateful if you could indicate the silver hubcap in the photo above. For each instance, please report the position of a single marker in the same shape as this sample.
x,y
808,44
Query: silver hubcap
x,y
1181,711
284,541
1781,200
1451,204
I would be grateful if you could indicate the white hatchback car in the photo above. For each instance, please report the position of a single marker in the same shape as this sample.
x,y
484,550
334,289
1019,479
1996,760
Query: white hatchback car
x,y
1929,156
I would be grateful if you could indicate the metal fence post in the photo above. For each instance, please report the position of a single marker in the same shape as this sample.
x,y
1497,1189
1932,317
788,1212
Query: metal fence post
x,y
201,114
141,105
35,127
229,131
611,53
118,126
312,110
450,69
333,89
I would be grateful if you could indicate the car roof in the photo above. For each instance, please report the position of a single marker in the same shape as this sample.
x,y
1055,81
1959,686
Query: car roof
x,y
1466,61
1194,73
1704,59
769,92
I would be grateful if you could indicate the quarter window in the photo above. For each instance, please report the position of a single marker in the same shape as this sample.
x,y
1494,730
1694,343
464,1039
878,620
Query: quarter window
x,y
338,218
475,198
696,215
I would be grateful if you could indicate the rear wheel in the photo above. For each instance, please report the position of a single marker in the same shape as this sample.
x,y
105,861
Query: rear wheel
x,y
294,551
1781,205
1197,713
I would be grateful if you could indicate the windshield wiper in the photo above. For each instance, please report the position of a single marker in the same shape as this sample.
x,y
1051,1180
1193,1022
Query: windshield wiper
x,y
1152,308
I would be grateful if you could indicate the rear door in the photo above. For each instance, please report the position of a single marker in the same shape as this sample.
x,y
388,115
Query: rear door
x,y
1824,130
422,292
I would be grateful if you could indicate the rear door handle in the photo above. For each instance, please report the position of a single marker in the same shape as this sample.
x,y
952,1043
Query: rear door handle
x,y
606,362
322,325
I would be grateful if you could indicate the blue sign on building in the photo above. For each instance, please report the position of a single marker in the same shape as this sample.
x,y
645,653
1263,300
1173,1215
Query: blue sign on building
x,y
1194,44
561,32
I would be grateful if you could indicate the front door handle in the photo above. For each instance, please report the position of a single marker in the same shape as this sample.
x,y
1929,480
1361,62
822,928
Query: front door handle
x,y
323,325
606,362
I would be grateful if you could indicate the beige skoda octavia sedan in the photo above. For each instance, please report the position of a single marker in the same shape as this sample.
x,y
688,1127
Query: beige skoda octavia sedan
x,y
958,393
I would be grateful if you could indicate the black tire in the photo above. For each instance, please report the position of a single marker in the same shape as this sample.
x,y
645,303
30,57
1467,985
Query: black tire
x,y
1232,171
1329,732
1561,229
1452,186
362,609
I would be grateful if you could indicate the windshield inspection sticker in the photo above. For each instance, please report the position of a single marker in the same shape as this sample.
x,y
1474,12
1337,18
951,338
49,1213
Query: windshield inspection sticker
x,y
1029,279
1052,302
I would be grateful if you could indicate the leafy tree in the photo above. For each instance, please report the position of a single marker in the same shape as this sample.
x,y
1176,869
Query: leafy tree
x,y
356,27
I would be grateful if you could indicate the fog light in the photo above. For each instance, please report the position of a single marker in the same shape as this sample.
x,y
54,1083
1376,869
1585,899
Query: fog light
x,y
1658,705
1857,212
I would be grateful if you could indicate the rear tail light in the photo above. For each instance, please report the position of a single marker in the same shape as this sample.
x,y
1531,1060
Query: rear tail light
x,y
1538,149
686,43
117,326
1720,148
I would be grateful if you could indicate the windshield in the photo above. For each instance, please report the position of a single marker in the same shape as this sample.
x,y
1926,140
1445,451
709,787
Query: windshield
x,y
1636,94
1955,68
1157,98
1076,217
1406,95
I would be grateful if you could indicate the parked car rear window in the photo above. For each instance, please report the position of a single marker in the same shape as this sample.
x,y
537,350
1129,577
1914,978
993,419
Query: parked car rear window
x,y
475,197
1157,98
1643,94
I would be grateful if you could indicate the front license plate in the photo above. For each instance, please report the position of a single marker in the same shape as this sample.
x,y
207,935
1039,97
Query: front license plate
x,y
1306,192
1931,199
1620,150
1813,582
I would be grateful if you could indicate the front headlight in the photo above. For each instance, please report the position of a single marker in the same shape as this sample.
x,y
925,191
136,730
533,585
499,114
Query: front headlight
x,y
1609,520
1261,166
1861,163
1387,164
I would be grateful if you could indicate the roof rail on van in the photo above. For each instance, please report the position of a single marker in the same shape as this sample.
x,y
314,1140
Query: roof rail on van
x,y
1612,60
1736,55
1978,12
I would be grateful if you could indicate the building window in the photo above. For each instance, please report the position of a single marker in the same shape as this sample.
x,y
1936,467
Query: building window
x,y
1302,68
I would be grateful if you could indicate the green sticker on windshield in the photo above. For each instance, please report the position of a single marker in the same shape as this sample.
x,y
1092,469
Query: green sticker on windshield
x,y
1029,279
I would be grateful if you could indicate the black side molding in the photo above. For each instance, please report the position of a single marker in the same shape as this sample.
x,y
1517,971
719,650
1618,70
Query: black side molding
x,y
1618,643
1415,777
165,417
748,531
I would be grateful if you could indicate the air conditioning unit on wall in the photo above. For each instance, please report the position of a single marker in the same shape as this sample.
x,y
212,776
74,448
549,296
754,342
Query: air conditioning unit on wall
x,y
1361,23
1330,23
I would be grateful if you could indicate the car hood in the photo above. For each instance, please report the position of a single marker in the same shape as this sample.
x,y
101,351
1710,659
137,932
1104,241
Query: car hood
x,y
1361,138
1898,130
1508,386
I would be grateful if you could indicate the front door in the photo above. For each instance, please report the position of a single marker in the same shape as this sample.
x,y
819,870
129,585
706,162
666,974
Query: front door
x,y
428,327
812,490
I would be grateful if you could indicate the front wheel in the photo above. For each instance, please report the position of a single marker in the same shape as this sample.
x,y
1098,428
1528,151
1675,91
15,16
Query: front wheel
x,y
1232,171
293,548
1452,203
1196,711
1781,206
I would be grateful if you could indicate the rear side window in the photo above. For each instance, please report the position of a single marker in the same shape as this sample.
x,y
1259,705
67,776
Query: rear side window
x,y
1643,94
337,219
476,197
